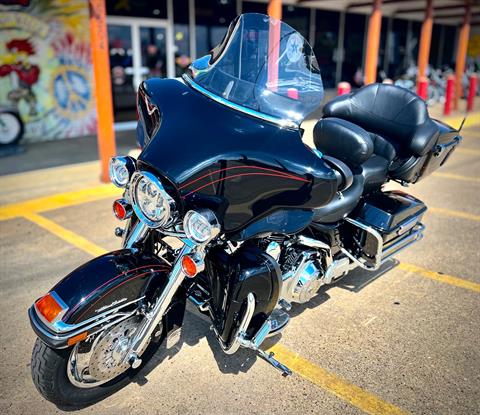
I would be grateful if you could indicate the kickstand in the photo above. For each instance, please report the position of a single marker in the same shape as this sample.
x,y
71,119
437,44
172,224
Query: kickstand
x,y
269,357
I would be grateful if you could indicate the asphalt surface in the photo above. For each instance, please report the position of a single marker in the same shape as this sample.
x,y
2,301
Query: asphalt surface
x,y
405,338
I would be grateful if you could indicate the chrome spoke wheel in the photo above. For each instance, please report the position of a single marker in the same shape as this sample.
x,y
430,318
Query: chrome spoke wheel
x,y
103,357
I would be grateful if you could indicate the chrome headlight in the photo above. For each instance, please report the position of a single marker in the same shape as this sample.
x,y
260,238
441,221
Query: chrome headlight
x,y
120,170
201,225
151,203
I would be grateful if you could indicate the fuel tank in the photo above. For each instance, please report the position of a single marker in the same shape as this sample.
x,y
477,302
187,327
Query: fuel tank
x,y
213,156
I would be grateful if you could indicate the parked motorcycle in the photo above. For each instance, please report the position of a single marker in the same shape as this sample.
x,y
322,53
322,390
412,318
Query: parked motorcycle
x,y
228,208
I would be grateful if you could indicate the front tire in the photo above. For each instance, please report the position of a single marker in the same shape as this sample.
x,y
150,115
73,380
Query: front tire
x,y
49,373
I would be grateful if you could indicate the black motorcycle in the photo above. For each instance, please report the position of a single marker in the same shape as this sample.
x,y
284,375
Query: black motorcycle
x,y
228,208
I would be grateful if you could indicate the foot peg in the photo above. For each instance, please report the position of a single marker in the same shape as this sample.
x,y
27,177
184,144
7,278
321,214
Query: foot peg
x,y
269,357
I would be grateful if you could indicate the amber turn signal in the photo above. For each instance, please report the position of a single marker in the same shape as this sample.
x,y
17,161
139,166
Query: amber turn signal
x,y
189,266
49,308
122,209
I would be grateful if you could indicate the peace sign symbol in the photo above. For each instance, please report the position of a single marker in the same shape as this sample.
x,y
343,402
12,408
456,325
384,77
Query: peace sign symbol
x,y
71,90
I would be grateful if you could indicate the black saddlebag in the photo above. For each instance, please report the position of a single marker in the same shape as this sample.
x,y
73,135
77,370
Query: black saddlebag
x,y
384,224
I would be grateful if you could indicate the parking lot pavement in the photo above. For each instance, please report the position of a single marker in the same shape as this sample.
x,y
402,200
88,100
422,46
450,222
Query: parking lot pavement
x,y
402,340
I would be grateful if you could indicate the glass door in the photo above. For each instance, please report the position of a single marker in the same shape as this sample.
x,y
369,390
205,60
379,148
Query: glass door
x,y
121,72
139,49
153,46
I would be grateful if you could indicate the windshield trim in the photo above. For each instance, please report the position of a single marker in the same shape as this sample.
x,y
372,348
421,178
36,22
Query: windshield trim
x,y
278,121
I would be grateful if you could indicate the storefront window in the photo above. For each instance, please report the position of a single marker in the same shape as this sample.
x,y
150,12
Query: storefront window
x,y
298,18
326,44
153,45
121,66
414,43
382,50
254,7
435,45
397,49
137,8
448,58
212,18
181,34
353,46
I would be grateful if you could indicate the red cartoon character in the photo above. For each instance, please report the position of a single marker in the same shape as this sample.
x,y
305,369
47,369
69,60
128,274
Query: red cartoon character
x,y
18,62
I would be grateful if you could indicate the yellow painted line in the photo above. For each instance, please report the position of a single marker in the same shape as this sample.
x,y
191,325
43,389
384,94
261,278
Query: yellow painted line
x,y
356,396
349,392
447,279
454,213
457,177
56,201
68,236
470,151
473,120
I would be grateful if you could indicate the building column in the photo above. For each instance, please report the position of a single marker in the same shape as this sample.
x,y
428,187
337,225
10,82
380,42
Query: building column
x,y
275,9
103,85
275,12
425,39
461,55
373,43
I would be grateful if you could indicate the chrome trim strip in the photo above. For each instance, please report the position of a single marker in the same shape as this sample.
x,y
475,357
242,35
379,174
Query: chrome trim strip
x,y
61,327
61,339
245,110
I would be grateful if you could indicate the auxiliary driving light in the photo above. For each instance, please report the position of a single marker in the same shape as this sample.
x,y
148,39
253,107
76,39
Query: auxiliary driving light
x,y
121,170
51,307
201,225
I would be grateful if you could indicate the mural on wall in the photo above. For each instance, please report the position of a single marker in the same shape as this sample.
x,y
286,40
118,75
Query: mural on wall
x,y
45,66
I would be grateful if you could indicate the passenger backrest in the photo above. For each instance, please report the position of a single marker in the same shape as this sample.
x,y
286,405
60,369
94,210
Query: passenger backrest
x,y
392,112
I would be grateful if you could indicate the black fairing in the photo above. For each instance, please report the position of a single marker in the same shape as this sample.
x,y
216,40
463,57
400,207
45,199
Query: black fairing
x,y
241,167
119,276
248,270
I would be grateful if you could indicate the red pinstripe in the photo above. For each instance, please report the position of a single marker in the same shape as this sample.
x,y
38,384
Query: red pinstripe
x,y
246,174
69,313
113,289
238,167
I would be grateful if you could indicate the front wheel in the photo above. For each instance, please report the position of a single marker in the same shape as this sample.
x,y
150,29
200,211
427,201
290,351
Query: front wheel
x,y
92,369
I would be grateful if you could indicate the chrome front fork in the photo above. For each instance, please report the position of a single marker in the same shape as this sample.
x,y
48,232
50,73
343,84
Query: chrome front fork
x,y
154,317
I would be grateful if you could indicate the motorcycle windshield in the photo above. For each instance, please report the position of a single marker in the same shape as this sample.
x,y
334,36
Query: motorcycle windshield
x,y
262,67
